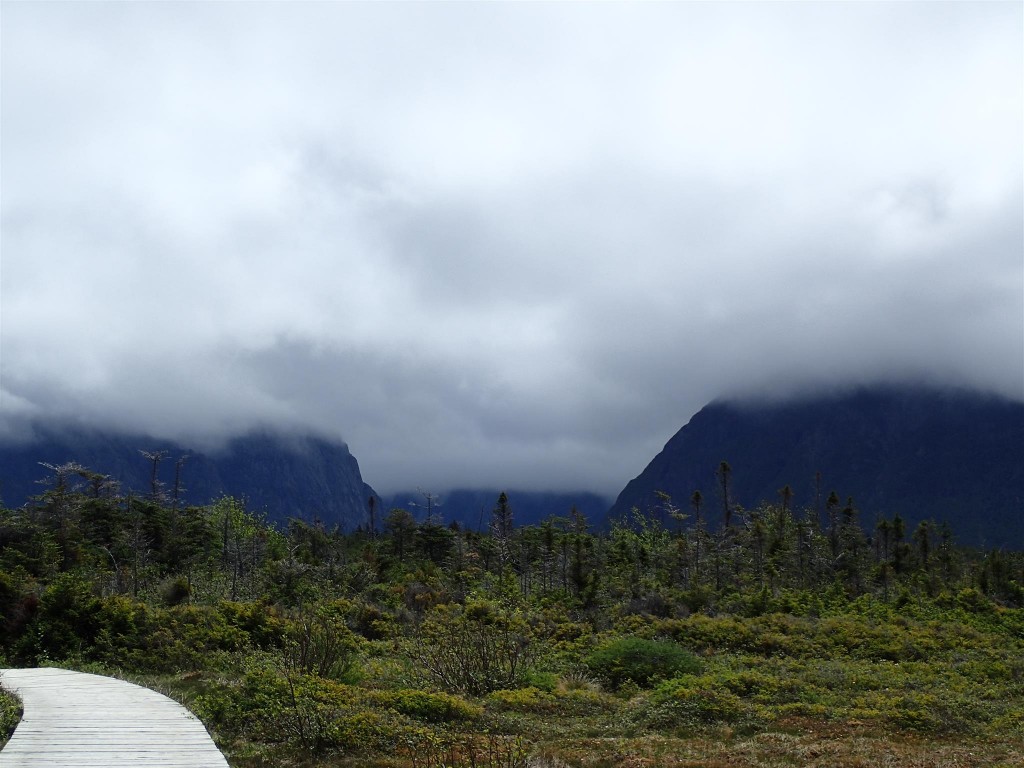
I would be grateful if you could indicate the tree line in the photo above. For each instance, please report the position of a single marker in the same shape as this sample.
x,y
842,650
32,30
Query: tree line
x,y
674,557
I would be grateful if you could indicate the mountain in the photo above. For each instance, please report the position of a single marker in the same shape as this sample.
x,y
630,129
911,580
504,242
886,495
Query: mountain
x,y
472,508
951,456
281,475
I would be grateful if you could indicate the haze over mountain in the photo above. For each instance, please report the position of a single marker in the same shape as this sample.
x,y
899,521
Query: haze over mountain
x,y
500,245
946,455
282,476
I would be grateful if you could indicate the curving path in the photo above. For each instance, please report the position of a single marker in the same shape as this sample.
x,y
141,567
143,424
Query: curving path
x,y
81,720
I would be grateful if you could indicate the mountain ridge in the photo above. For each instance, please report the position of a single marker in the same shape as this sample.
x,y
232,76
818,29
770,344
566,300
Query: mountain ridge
x,y
281,475
949,455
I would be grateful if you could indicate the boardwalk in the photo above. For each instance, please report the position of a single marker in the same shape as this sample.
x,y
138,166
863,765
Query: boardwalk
x,y
75,719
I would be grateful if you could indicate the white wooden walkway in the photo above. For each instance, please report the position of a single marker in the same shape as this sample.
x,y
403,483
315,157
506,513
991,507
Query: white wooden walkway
x,y
80,720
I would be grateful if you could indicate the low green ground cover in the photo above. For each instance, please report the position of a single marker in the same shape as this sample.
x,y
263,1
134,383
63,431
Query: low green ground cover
x,y
901,687
10,715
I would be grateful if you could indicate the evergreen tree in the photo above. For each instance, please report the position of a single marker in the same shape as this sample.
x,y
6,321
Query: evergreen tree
x,y
501,531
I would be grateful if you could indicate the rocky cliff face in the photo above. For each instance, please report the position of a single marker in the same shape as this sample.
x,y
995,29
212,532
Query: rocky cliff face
x,y
951,456
283,476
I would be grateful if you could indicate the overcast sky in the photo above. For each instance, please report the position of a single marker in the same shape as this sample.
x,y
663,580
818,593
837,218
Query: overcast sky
x,y
501,245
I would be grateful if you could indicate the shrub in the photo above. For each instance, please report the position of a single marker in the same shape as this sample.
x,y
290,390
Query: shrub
x,y
163,640
522,700
261,622
578,680
475,649
545,681
175,591
321,644
640,661
65,624
306,711
367,731
10,715
373,623
430,707
689,702
582,702
1010,723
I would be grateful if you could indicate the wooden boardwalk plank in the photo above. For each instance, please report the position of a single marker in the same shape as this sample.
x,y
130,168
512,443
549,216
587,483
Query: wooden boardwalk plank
x,y
82,720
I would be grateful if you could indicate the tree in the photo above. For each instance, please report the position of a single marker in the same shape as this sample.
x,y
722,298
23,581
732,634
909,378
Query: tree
x,y
138,542
548,551
832,505
501,530
243,543
372,504
61,510
852,547
583,582
156,488
434,540
724,473
432,500
179,489
401,527
696,501
817,501
901,549
786,495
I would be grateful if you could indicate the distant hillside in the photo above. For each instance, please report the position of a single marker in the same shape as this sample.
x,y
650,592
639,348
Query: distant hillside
x,y
472,508
283,476
952,456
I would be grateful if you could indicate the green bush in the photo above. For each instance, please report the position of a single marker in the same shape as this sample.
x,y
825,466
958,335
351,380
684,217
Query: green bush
x,y
319,715
545,681
1012,723
477,648
319,643
430,707
163,640
522,700
367,731
176,590
65,624
640,661
691,701
10,715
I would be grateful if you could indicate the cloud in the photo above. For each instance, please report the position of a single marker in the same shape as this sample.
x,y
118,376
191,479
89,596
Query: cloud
x,y
501,244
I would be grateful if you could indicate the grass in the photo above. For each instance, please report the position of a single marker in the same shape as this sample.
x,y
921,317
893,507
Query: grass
x,y
795,742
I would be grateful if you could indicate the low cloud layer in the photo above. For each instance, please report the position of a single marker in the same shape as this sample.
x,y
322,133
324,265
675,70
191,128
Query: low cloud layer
x,y
501,244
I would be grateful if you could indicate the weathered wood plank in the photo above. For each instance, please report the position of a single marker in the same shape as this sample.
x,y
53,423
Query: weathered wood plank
x,y
82,720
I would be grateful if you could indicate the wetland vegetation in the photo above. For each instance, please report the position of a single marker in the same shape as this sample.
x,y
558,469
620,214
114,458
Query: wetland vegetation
x,y
780,637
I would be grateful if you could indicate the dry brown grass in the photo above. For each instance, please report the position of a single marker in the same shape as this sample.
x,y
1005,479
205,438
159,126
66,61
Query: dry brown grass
x,y
811,745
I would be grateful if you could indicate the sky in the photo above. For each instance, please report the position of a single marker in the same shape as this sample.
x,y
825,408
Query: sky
x,y
500,244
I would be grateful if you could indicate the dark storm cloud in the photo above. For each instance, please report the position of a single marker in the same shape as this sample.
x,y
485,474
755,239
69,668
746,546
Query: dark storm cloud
x,y
501,244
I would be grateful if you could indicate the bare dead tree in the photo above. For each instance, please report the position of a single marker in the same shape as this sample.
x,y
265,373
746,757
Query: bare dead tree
x,y
724,475
156,488
179,489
